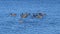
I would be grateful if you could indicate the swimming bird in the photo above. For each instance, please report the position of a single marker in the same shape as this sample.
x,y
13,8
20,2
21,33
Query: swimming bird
x,y
13,14
25,15
38,15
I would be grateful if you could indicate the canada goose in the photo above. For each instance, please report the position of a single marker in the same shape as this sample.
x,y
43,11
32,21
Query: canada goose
x,y
13,14
38,15
25,15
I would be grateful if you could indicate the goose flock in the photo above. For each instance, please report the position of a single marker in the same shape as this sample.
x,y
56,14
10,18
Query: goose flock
x,y
25,15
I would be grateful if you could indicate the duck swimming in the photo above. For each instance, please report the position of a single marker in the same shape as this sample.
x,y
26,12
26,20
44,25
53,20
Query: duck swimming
x,y
12,14
25,15
38,15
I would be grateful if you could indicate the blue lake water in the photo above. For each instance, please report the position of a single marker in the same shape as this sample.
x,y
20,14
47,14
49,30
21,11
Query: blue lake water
x,y
49,24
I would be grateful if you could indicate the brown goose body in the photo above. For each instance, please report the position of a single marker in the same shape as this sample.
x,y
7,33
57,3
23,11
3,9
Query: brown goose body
x,y
24,15
38,15
13,14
